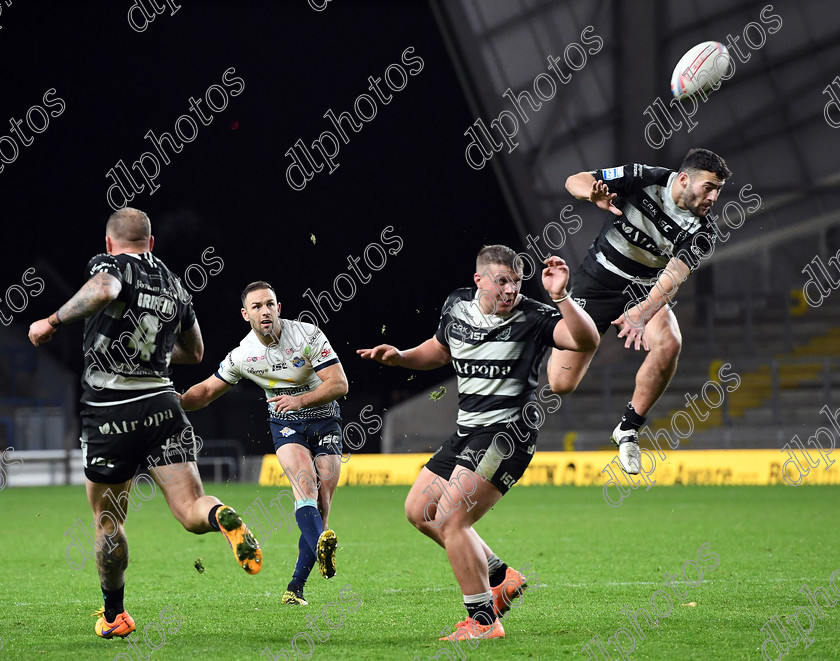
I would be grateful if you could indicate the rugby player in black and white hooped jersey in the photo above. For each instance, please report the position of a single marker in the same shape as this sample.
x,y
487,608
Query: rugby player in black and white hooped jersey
x,y
138,320
658,231
495,338
295,365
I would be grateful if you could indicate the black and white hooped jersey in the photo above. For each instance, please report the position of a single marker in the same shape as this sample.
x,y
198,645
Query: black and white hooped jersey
x,y
288,367
128,344
496,358
652,229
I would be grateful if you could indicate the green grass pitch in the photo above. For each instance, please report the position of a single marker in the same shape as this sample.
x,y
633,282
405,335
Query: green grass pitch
x,y
395,592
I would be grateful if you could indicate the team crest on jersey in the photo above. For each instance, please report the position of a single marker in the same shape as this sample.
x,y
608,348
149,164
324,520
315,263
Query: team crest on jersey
x,y
504,334
614,173
298,361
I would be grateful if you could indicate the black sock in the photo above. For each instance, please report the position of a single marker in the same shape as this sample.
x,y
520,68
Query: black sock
x,y
211,518
113,602
631,419
482,613
498,575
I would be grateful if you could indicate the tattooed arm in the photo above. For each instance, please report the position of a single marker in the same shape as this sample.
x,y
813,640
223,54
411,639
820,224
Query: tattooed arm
x,y
94,296
189,347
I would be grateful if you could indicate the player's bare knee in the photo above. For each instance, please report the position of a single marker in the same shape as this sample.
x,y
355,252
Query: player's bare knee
x,y
422,516
307,486
666,341
411,515
671,343
107,527
451,525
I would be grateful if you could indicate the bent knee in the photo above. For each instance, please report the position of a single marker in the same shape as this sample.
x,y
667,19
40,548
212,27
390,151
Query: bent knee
x,y
454,522
414,516
670,342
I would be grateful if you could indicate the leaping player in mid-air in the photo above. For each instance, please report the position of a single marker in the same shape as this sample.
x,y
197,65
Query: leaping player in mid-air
x,y
495,338
657,232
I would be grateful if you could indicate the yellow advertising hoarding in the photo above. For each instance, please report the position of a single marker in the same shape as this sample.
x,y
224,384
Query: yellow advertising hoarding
x,y
704,467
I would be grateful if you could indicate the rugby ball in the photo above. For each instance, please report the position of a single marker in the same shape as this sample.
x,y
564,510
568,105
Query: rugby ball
x,y
700,70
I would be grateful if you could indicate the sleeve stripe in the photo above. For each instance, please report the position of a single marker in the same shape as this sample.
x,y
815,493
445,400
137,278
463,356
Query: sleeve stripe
x,y
318,368
216,374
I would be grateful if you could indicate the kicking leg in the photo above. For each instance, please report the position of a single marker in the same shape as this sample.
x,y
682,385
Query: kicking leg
x,y
328,468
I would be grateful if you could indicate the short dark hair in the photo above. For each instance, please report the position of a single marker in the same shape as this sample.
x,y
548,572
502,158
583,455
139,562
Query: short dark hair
x,y
258,284
498,254
702,159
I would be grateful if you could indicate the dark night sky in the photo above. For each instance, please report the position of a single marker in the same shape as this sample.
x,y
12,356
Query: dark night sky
x,y
227,188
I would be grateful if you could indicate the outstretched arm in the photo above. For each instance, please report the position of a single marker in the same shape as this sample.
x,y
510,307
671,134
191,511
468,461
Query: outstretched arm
x,y
201,394
427,356
584,186
94,296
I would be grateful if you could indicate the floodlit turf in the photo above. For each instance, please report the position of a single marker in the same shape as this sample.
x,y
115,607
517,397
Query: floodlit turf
x,y
394,591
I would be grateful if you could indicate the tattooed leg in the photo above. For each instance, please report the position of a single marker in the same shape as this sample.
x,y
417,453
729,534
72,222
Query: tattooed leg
x,y
109,503
111,557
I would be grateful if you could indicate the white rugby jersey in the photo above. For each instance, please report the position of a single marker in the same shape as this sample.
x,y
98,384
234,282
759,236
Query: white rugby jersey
x,y
496,358
288,367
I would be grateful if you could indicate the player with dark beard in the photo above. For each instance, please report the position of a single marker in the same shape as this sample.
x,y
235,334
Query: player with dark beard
x,y
657,232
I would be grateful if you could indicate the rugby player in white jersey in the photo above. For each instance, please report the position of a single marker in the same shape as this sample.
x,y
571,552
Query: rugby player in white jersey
x,y
495,339
302,378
